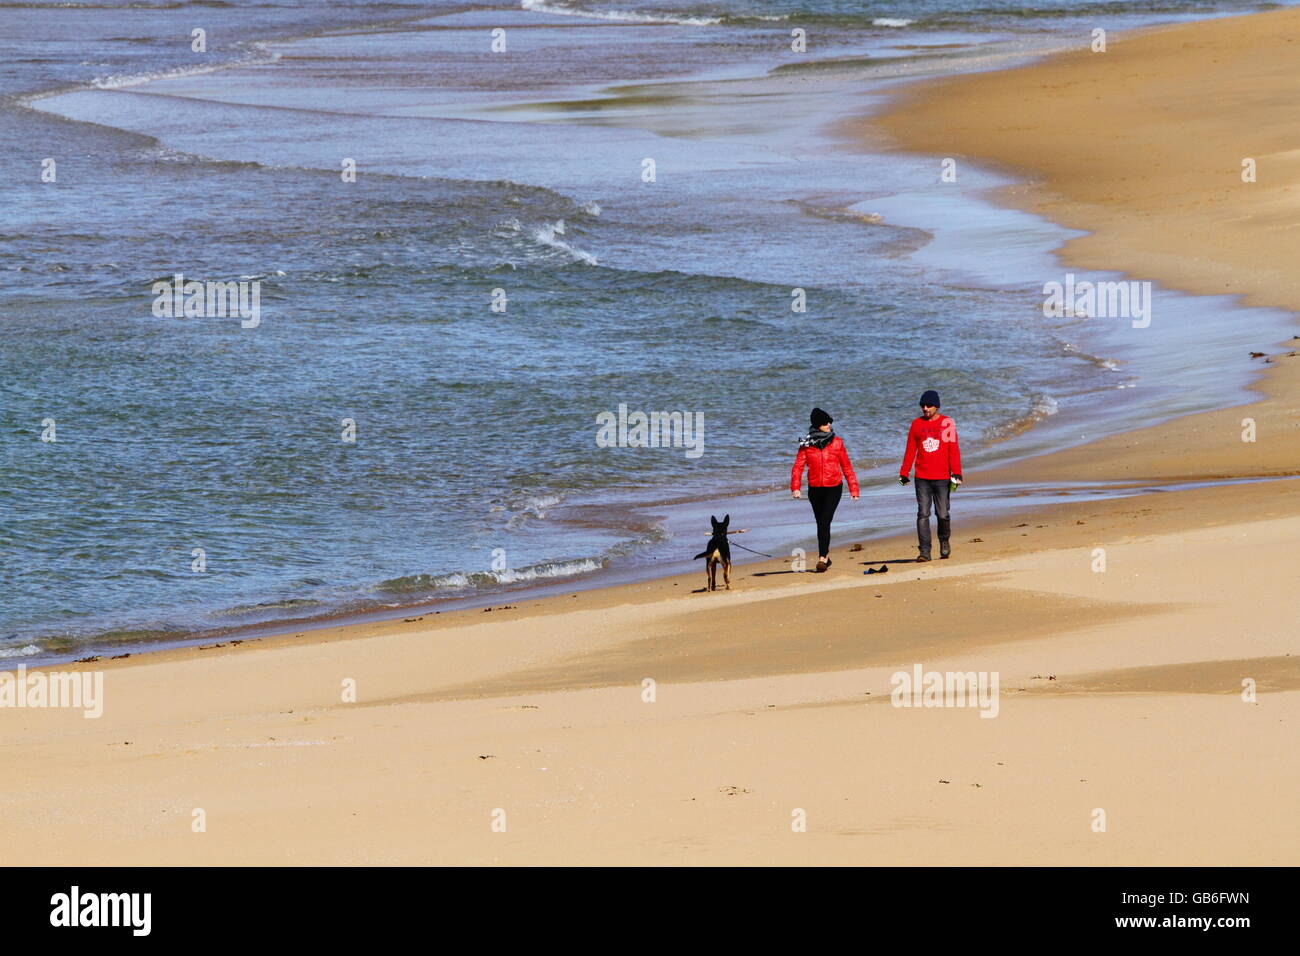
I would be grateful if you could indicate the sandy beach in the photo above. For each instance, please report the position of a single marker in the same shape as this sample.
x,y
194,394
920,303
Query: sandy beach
x,y
527,734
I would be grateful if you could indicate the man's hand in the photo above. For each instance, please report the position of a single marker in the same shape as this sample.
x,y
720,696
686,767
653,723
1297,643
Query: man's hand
x,y
796,493
956,479
902,479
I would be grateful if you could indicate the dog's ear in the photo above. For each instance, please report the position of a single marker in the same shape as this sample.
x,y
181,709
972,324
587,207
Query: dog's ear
x,y
726,520
713,520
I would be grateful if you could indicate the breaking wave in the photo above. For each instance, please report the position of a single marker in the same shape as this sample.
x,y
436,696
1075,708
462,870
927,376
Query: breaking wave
x,y
625,16
478,580
255,54
548,235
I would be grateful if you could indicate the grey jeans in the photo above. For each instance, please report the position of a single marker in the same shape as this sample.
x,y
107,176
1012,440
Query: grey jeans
x,y
931,493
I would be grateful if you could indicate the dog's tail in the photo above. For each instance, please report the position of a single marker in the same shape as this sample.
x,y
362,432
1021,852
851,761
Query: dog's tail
x,y
702,554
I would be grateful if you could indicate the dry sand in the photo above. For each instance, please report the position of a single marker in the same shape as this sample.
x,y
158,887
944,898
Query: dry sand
x,y
1121,690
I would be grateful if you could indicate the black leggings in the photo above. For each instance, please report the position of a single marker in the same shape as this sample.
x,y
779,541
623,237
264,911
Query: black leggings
x,y
824,501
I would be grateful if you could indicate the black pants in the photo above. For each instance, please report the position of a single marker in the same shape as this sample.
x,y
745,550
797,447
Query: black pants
x,y
931,492
824,501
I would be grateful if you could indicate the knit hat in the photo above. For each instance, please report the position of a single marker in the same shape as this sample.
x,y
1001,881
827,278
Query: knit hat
x,y
931,397
818,418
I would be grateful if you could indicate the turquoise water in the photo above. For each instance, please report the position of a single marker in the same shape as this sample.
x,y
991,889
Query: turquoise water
x,y
476,462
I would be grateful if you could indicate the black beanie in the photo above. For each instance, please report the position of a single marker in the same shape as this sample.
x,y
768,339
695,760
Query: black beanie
x,y
818,418
931,397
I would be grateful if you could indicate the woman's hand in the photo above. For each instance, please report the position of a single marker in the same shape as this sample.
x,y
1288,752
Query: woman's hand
x,y
796,493
854,497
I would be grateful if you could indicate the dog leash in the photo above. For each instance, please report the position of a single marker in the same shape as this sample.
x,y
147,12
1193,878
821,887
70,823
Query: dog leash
x,y
750,550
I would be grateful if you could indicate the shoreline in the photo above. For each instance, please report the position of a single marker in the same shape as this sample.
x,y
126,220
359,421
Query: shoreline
x,y
454,611
761,691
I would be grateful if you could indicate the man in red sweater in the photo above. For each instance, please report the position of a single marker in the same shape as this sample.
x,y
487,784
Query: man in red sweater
x,y
932,445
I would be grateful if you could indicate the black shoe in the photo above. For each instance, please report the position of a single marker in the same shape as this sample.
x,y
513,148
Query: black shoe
x,y
822,565
944,550
922,557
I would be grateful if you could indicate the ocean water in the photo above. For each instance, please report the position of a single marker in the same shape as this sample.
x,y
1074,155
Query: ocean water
x,y
476,462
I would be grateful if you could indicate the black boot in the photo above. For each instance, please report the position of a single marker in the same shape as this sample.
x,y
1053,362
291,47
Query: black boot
x,y
945,530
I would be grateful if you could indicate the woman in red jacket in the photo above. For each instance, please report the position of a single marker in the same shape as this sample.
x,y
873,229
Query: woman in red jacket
x,y
823,453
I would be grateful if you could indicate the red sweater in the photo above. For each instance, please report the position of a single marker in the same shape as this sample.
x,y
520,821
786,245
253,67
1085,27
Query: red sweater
x,y
827,467
933,446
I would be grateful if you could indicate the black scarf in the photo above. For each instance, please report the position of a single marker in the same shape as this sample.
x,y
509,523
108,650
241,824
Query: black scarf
x,y
816,438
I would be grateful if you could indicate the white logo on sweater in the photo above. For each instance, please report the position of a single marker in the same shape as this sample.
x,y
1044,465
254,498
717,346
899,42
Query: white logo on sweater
x,y
930,444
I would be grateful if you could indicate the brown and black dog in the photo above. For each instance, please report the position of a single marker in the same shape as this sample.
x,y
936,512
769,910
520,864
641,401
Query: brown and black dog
x,y
717,551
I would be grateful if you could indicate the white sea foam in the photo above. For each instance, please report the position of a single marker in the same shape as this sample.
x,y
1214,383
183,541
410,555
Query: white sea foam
x,y
540,504
549,236
624,16
458,580
562,569
1044,407
891,22
532,507
257,54
508,227
25,651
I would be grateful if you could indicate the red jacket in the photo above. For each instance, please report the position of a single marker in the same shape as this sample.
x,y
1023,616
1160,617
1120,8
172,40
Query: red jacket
x,y
933,446
827,467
